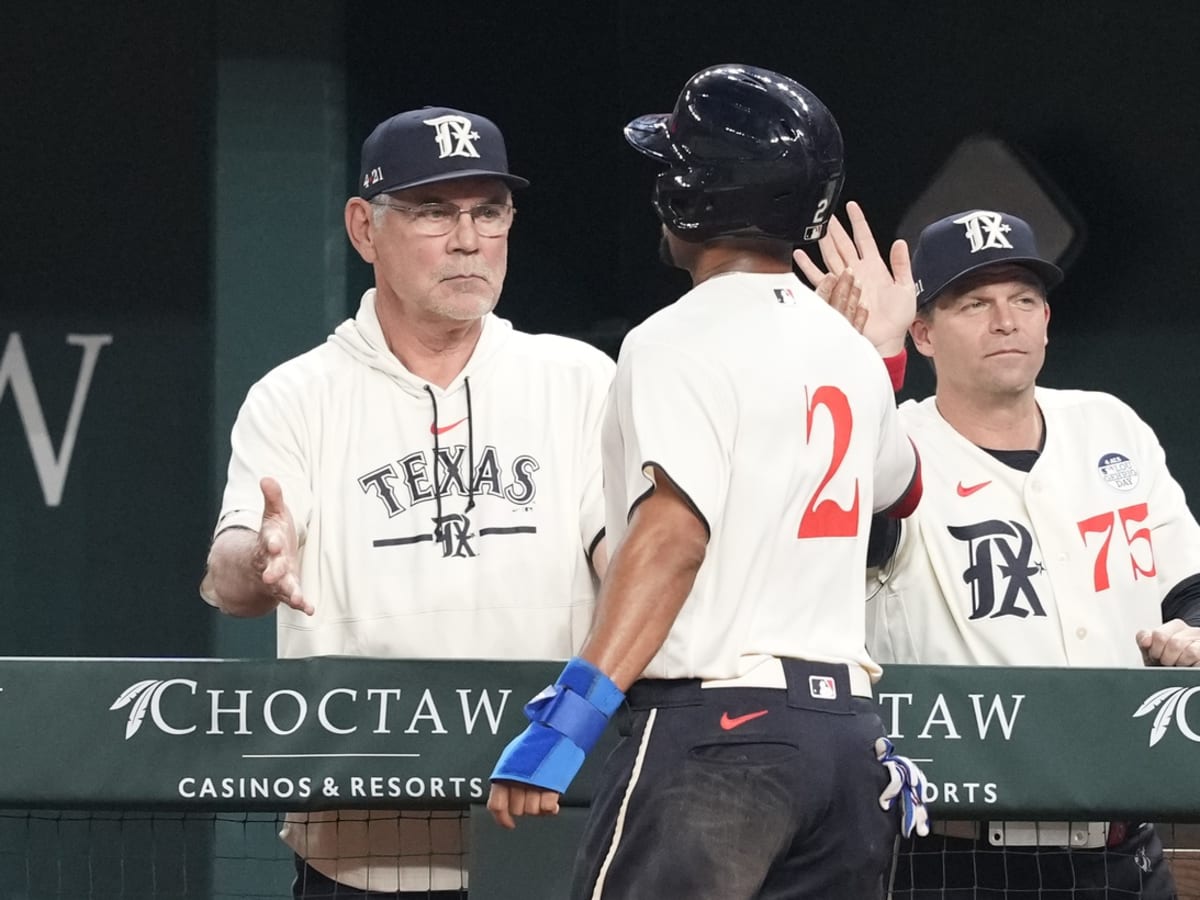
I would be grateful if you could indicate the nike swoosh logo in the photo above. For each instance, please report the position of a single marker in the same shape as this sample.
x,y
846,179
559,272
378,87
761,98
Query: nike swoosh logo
x,y
964,491
433,429
729,724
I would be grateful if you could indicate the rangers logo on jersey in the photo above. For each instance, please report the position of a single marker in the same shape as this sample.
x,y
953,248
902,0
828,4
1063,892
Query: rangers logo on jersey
x,y
455,136
985,230
1000,569
1117,471
415,480
411,478
454,533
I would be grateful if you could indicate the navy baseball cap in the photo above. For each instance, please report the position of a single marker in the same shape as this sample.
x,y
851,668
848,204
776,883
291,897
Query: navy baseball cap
x,y
965,242
436,143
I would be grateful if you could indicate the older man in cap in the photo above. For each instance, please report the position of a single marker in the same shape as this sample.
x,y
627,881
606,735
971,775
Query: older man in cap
x,y
426,483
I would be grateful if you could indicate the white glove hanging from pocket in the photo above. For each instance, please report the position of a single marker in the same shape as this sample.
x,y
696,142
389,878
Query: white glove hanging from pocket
x,y
908,783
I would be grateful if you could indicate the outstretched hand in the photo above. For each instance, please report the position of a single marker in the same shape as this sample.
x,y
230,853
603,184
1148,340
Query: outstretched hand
x,y
277,553
888,295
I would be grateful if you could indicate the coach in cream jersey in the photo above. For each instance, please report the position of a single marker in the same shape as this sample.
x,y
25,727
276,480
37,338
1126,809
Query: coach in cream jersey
x,y
1060,565
1051,532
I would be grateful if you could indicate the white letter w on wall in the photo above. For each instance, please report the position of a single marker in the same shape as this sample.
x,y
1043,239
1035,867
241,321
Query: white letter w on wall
x,y
14,369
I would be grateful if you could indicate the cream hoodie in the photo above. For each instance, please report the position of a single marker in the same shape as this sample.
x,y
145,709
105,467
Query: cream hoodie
x,y
448,523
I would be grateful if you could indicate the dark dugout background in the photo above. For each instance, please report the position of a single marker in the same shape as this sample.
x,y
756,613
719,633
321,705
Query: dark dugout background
x,y
172,176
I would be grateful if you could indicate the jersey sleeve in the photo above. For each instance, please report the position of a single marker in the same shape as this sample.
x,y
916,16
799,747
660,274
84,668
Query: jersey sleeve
x,y
266,441
677,414
1175,535
591,508
897,464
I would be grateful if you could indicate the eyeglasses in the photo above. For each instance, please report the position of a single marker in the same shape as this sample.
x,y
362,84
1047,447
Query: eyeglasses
x,y
437,219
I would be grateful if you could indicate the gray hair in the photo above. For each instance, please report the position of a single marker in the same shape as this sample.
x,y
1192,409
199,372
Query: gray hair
x,y
378,211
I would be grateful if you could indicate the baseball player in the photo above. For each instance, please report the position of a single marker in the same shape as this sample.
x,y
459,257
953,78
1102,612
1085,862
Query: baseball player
x,y
750,434
1050,534
426,483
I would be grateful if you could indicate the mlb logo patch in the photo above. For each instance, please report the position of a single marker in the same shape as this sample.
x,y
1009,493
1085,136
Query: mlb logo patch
x,y
822,687
785,296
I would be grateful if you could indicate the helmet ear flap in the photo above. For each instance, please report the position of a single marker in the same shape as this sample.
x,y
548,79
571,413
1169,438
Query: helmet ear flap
x,y
685,205
697,214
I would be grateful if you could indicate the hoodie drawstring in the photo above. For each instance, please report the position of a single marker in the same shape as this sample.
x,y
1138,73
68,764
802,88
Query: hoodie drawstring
x,y
470,449
437,488
437,492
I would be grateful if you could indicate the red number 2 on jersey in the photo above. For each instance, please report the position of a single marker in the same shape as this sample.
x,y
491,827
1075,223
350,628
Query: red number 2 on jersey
x,y
827,519
1103,524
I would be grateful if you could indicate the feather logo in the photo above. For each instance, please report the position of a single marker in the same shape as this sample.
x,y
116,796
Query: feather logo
x,y
1171,703
140,696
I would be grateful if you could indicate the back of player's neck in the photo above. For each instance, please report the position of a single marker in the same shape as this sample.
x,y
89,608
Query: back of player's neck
x,y
1004,423
722,260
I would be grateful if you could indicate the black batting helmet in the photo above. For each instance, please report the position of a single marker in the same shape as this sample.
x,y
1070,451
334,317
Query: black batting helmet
x,y
749,153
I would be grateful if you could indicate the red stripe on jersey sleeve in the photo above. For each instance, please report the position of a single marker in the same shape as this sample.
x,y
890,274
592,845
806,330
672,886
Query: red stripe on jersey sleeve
x,y
904,507
896,367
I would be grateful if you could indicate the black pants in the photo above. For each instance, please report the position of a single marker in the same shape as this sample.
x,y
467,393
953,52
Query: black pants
x,y
741,794
945,868
312,885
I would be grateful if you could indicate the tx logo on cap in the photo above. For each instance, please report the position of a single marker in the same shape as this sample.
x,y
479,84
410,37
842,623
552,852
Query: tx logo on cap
x,y
985,230
455,136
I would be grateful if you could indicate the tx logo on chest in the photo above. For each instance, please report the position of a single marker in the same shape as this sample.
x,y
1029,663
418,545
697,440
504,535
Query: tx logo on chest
x,y
998,555
453,532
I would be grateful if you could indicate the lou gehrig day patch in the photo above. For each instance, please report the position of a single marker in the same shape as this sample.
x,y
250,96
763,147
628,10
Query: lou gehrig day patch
x,y
823,687
1117,471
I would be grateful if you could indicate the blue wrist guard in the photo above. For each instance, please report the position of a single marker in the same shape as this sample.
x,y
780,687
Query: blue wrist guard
x,y
566,720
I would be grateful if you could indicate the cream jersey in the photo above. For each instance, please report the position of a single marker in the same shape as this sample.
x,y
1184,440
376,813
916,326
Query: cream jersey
x,y
1060,566
777,421
448,523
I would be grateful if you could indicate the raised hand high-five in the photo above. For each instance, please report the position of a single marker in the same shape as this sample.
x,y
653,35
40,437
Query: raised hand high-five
x,y
887,294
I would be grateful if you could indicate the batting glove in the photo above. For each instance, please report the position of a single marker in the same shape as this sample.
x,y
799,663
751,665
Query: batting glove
x,y
566,719
908,783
